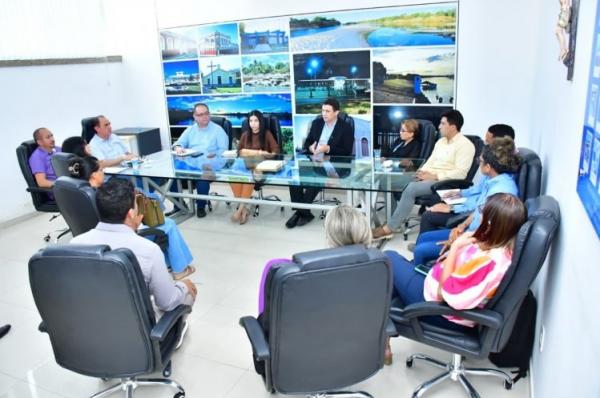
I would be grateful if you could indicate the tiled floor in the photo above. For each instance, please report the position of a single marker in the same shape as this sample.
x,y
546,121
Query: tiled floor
x,y
215,360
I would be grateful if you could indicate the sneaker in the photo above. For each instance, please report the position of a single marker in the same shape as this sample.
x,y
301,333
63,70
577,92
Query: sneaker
x,y
381,233
3,330
190,269
182,335
411,246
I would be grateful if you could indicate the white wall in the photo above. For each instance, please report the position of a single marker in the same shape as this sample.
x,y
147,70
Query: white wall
x,y
507,72
567,287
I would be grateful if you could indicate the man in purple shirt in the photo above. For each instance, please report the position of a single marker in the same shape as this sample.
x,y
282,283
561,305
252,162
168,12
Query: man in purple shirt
x,y
39,161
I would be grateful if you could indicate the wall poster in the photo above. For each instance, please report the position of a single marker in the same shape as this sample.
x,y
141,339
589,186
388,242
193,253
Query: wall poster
x,y
588,183
382,64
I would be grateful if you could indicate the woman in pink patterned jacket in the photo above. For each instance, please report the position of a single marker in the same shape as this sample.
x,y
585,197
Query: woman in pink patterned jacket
x,y
468,275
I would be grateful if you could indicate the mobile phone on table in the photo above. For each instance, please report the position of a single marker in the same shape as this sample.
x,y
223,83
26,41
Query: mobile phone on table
x,y
423,269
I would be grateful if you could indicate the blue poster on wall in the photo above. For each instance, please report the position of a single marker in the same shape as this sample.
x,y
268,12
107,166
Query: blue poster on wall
x,y
588,184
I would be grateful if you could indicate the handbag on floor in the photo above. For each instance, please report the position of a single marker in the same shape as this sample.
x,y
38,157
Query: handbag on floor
x,y
150,209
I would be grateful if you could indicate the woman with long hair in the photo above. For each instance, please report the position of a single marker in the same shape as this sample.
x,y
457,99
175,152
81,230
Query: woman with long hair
x,y
468,274
257,141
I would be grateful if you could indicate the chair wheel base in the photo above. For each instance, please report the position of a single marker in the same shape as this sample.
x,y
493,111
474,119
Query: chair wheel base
x,y
179,395
47,238
508,385
409,363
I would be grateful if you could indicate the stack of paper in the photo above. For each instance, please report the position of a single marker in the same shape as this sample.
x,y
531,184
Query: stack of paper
x,y
270,165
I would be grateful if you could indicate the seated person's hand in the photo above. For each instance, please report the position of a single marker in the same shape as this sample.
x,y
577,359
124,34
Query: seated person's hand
x,y
129,156
440,208
425,176
211,155
191,287
179,150
313,148
324,148
455,193
463,240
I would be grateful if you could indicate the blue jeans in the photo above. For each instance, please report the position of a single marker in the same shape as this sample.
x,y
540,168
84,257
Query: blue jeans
x,y
408,287
178,254
426,248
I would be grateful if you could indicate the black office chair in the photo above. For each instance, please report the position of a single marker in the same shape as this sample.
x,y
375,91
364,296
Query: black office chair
x,y
528,179
87,129
76,201
433,198
271,123
325,321
41,197
96,309
226,125
60,163
428,136
321,198
497,320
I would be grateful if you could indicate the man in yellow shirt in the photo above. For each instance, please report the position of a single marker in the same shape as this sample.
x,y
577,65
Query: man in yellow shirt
x,y
452,157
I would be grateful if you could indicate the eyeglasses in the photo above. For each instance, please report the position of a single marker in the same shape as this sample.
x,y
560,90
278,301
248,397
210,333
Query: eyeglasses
x,y
201,114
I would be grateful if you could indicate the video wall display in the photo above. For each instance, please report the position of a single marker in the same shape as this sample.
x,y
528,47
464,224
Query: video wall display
x,y
376,62
588,181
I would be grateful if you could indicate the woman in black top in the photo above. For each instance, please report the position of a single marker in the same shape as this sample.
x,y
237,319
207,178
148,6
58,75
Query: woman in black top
x,y
407,145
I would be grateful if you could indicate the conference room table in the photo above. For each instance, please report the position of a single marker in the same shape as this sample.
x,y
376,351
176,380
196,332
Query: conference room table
x,y
165,172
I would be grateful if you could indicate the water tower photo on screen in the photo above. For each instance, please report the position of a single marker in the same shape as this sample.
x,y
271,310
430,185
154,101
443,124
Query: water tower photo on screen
x,y
344,75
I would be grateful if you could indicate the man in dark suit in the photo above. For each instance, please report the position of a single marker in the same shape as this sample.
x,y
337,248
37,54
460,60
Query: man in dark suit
x,y
328,136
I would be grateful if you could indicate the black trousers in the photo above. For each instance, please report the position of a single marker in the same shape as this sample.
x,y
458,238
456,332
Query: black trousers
x,y
431,221
300,194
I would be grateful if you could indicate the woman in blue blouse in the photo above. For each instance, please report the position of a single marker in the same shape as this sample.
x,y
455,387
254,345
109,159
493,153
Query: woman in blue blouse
x,y
498,162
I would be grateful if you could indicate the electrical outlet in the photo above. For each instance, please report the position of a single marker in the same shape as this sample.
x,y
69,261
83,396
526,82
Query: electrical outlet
x,y
542,336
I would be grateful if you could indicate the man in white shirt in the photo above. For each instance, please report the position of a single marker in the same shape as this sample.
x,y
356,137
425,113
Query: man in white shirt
x,y
452,157
119,219
106,146
206,138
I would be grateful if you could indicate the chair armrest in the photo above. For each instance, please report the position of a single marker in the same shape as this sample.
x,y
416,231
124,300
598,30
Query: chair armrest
x,y
151,231
483,317
451,184
43,328
457,219
160,237
167,321
390,328
260,347
39,189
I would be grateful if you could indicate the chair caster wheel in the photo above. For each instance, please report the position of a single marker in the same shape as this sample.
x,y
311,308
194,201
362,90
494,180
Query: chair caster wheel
x,y
508,385
47,238
104,379
179,395
167,370
409,363
228,205
281,209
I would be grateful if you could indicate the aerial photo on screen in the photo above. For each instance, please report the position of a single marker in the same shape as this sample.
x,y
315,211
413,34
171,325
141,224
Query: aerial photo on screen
x,y
426,25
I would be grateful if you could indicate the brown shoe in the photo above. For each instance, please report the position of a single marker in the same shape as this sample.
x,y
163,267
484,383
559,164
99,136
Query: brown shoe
x,y
382,232
190,269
